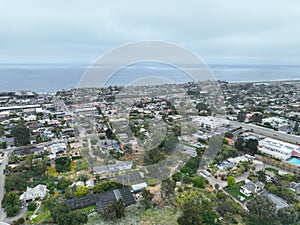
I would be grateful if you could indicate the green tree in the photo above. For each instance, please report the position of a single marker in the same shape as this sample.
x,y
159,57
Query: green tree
x,y
197,214
21,134
114,211
177,176
287,215
81,191
231,181
62,215
60,212
296,127
147,198
227,206
153,156
239,144
241,116
228,134
199,182
63,164
77,217
168,188
257,118
262,211
261,176
201,106
1,131
68,193
15,182
31,206
217,186
3,145
11,203
252,144
191,215
104,186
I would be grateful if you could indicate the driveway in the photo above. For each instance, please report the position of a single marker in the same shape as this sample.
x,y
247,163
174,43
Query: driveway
x,y
223,183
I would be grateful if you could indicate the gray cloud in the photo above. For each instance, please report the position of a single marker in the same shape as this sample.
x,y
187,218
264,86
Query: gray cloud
x,y
229,31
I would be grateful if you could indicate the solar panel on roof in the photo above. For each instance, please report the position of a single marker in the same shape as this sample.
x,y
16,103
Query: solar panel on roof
x,y
102,200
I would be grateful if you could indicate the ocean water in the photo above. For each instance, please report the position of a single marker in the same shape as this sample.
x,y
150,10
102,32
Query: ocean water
x,y
50,78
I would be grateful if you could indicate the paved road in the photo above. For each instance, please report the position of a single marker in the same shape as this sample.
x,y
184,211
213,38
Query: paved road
x,y
2,182
236,134
268,132
10,220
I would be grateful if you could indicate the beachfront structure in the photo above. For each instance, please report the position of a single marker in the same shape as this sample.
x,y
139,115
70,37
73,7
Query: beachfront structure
x,y
278,149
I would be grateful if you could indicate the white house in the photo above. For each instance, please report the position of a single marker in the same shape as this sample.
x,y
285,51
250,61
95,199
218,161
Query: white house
x,y
138,187
31,118
90,183
251,188
275,121
38,192
209,123
57,148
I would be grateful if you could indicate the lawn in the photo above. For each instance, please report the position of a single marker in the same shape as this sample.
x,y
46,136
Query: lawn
x,y
234,191
271,169
43,216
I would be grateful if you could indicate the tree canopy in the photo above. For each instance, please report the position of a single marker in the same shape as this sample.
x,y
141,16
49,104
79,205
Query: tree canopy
x,y
11,203
104,186
21,134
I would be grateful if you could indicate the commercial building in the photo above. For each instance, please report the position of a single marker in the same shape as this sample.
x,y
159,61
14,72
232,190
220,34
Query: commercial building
x,y
278,149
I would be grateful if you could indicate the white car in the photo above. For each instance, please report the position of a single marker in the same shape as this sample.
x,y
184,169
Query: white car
x,y
205,173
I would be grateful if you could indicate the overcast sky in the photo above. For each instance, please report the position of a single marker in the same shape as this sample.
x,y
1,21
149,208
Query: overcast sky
x,y
223,32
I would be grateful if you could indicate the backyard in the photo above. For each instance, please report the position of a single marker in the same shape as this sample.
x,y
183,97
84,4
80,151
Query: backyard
x,y
234,191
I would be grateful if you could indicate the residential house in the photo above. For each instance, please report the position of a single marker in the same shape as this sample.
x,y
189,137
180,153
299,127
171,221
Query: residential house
x,y
251,188
38,192
138,187
102,201
295,187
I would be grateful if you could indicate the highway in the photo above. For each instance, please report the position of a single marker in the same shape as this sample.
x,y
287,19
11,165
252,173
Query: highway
x,y
268,132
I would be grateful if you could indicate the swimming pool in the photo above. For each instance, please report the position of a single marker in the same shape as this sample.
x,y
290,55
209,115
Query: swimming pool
x,y
294,161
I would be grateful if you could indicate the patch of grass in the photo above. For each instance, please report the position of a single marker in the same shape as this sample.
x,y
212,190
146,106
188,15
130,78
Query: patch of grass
x,y
80,165
188,144
136,214
151,182
165,216
271,169
90,209
43,217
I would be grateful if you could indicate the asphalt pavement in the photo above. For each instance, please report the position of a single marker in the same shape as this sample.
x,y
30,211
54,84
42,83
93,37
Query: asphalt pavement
x,y
268,132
